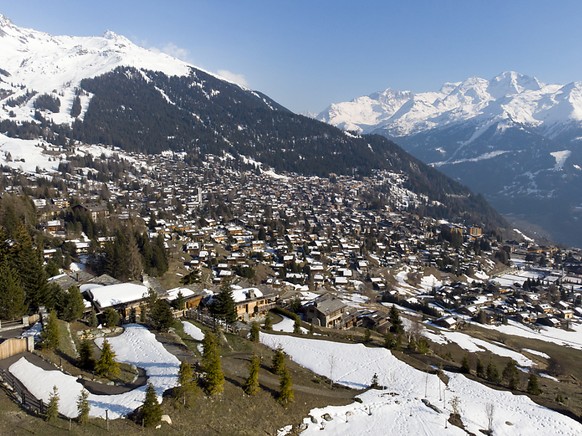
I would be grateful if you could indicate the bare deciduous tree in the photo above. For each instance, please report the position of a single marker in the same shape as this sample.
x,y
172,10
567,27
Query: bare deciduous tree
x,y
490,410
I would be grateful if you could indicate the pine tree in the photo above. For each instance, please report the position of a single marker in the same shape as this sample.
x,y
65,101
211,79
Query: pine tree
x,y
297,325
251,386
480,369
224,306
12,295
254,334
111,317
214,382
52,409
533,387
83,407
93,322
493,373
286,394
389,341
374,383
151,411
465,366
86,359
180,302
186,388
278,361
74,305
107,365
367,336
511,375
161,316
395,321
50,333
268,326
135,265
27,261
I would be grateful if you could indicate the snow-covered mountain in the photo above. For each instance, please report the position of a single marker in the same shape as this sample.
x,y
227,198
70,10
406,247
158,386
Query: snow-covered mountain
x,y
513,138
36,62
509,96
69,91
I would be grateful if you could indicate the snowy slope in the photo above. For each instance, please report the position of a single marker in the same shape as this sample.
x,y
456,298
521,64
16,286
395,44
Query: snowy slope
x,y
508,96
36,61
398,409
136,346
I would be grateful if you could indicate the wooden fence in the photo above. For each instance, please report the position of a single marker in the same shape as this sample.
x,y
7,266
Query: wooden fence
x,y
20,394
13,346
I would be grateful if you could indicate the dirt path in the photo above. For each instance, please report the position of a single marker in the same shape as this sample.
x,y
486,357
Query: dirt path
x,y
235,367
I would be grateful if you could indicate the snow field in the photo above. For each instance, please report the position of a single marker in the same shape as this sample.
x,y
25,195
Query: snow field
x,y
397,409
286,325
193,331
136,346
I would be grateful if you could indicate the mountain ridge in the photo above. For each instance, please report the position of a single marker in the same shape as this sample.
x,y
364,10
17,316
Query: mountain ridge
x,y
512,138
107,90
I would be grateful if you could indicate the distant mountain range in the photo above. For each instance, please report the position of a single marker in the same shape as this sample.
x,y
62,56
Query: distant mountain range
x,y
513,138
107,90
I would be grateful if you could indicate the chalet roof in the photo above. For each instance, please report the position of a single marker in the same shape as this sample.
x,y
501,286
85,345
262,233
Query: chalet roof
x,y
328,304
113,295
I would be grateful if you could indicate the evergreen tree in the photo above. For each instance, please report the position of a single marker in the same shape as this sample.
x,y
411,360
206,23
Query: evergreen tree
x,y
74,306
480,369
52,409
224,307
180,302
254,334
50,333
297,325
192,277
251,386
367,336
159,256
389,341
268,326
214,382
28,262
93,322
111,317
12,295
151,299
374,383
135,264
395,321
106,365
510,374
412,345
186,388
83,407
493,373
533,387
151,411
465,366
278,361
86,359
286,394
161,317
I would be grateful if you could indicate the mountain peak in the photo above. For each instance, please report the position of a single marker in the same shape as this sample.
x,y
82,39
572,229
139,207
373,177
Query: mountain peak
x,y
112,36
512,83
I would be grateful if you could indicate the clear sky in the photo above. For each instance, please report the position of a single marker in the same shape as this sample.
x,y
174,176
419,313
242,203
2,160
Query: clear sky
x,y
306,54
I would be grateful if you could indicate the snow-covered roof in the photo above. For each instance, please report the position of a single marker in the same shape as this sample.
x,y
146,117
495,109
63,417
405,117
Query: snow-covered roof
x,y
172,294
246,294
112,295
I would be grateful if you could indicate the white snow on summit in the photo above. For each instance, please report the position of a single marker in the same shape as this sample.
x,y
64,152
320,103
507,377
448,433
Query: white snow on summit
x,y
509,96
34,61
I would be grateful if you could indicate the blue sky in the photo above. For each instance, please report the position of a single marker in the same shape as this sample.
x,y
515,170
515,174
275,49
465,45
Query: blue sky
x,y
308,53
